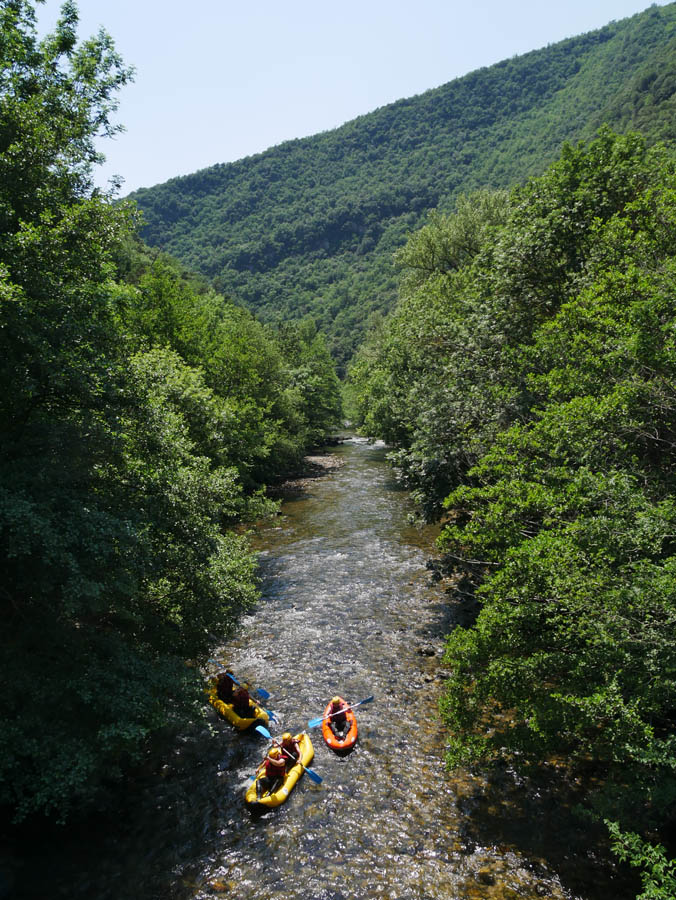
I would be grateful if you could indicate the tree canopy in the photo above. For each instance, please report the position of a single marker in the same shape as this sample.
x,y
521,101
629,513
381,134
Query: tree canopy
x,y
141,415
532,399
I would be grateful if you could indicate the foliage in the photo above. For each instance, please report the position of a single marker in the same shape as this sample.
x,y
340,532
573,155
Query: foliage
x,y
417,381
659,872
139,416
312,395
311,226
277,388
533,388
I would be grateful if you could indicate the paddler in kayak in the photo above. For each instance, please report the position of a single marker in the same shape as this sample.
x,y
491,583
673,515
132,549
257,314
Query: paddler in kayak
x,y
275,770
241,703
290,748
225,686
338,718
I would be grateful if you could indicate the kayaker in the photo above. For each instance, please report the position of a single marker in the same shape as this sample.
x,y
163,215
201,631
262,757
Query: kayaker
x,y
241,703
338,718
275,769
225,686
290,748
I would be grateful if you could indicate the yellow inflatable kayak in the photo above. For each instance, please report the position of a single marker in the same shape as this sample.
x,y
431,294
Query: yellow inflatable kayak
x,y
258,715
280,795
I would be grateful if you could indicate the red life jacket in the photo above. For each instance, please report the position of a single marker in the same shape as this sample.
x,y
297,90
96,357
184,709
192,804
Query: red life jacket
x,y
240,703
274,768
224,688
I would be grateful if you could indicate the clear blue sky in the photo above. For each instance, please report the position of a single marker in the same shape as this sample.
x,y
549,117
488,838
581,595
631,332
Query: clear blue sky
x,y
217,80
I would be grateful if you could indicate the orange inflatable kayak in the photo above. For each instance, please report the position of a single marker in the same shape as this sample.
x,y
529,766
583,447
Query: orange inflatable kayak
x,y
348,740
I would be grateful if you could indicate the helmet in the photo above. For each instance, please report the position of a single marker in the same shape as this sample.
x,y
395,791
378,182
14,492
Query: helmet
x,y
287,736
335,700
274,752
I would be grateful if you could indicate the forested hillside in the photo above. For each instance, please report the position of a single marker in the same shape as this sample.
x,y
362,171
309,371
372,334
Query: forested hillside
x,y
311,226
141,414
527,377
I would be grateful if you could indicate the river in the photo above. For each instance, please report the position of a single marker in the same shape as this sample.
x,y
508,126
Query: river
x,y
348,606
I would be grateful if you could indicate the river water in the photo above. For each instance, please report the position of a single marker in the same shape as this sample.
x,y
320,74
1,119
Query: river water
x,y
348,607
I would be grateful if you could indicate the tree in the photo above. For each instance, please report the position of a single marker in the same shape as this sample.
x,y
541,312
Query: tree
x,y
533,384
312,393
278,387
114,495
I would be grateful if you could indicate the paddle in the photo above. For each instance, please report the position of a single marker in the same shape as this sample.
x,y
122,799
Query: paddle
x,y
311,774
261,729
264,695
314,722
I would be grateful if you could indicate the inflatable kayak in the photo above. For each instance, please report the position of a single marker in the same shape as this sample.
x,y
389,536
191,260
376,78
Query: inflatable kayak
x,y
348,740
280,795
258,715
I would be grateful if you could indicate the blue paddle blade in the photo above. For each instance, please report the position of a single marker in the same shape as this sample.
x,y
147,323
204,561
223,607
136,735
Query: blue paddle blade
x,y
264,731
313,776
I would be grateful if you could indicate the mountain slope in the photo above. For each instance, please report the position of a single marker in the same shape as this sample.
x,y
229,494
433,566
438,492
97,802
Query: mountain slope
x,y
311,226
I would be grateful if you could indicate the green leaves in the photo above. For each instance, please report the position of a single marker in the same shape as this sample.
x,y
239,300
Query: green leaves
x,y
139,421
545,402
658,871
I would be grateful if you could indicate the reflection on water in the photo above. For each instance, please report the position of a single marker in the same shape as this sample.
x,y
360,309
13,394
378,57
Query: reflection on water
x,y
348,608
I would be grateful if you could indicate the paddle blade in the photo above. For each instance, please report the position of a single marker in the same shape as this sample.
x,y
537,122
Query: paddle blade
x,y
264,731
313,776
314,722
264,695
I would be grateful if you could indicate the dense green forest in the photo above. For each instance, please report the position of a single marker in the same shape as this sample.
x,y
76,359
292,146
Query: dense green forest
x,y
310,226
141,416
527,379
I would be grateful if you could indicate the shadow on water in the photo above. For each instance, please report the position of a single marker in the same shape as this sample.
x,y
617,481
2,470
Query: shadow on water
x,y
348,606
529,822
